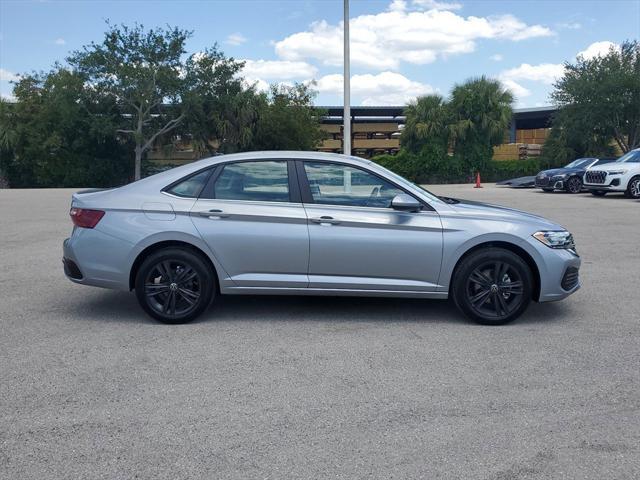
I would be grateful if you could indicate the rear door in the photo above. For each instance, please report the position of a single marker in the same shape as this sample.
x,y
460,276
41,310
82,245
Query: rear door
x,y
251,216
357,241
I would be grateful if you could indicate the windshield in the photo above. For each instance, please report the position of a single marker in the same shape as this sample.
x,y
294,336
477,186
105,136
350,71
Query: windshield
x,y
580,162
631,157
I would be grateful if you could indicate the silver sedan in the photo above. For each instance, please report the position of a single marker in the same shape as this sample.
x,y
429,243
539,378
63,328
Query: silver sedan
x,y
305,223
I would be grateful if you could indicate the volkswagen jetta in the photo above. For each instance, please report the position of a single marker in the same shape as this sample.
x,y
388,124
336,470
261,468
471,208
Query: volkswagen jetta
x,y
305,223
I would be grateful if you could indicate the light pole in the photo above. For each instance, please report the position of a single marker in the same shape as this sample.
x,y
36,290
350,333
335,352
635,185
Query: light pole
x,y
346,114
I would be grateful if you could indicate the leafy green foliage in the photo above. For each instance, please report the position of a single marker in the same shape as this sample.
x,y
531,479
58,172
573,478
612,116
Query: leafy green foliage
x,y
287,120
425,169
600,97
480,111
426,124
60,134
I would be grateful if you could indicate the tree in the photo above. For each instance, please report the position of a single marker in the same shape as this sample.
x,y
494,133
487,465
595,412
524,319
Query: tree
x,y
287,119
573,137
480,111
59,134
426,124
222,112
143,72
603,92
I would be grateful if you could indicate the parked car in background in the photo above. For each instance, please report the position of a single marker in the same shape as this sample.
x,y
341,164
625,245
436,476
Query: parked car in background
x,y
309,223
568,178
623,175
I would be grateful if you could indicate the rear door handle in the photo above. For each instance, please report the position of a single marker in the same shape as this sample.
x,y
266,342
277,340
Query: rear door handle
x,y
325,220
215,213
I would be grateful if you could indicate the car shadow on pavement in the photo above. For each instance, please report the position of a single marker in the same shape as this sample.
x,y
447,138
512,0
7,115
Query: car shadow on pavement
x,y
122,307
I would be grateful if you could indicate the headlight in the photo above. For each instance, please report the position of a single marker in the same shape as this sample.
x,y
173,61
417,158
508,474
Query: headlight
x,y
560,176
617,172
556,239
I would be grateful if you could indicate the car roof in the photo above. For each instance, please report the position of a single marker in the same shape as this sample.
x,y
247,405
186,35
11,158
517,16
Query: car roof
x,y
174,174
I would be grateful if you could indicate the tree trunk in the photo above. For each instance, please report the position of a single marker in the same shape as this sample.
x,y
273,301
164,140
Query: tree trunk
x,y
138,165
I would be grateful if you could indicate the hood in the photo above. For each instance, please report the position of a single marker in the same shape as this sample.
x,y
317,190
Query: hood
x,y
560,171
615,166
497,212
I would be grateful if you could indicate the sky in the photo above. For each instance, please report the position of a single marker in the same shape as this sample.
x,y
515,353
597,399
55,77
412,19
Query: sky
x,y
400,49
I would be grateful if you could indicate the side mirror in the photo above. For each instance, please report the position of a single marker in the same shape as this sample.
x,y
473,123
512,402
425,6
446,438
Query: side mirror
x,y
405,203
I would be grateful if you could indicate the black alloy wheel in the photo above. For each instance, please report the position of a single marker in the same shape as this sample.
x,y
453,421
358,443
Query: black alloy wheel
x,y
574,185
493,286
174,285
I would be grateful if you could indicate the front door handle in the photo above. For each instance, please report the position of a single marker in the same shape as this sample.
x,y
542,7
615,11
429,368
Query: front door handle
x,y
215,213
325,219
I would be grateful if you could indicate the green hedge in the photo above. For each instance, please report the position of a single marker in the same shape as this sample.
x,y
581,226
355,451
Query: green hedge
x,y
430,170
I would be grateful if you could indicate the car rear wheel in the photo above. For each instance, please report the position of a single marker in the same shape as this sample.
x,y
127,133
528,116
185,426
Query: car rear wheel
x,y
492,286
574,185
598,193
633,189
174,285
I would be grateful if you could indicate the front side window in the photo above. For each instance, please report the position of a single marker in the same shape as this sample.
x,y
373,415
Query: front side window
x,y
265,181
335,184
190,187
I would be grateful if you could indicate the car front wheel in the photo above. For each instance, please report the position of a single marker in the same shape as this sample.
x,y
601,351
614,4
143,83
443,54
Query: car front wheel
x,y
633,190
174,285
492,286
574,185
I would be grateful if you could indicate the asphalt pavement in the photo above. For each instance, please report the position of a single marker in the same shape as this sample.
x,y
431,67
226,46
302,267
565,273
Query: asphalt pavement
x,y
346,388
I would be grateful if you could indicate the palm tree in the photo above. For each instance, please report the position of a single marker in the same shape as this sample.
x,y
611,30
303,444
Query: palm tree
x,y
426,123
481,110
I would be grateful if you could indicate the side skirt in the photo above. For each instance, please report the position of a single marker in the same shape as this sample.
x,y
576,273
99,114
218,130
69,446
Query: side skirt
x,y
332,292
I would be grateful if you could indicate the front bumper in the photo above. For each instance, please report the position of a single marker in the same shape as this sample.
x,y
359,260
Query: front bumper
x,y
547,182
560,277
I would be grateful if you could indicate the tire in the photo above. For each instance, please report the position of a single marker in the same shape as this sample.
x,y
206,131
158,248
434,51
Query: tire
x,y
547,190
175,285
633,188
598,193
492,286
574,185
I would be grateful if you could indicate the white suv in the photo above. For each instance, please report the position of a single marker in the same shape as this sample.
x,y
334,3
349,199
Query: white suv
x,y
623,175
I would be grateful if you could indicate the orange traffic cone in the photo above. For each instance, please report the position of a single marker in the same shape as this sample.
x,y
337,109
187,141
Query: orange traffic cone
x,y
478,180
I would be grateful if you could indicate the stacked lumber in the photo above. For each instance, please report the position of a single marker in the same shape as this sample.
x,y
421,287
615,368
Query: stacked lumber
x,y
536,136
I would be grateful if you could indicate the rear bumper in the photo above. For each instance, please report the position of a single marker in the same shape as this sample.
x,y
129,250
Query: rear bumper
x,y
90,257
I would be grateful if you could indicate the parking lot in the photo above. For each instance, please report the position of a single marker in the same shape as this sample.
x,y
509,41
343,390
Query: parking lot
x,y
320,387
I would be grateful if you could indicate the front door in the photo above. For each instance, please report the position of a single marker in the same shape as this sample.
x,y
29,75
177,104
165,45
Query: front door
x,y
251,217
357,241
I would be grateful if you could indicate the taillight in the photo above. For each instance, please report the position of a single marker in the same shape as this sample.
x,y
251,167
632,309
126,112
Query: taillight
x,y
82,217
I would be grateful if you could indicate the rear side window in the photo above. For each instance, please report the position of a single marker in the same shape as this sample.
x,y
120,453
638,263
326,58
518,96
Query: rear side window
x,y
191,186
264,181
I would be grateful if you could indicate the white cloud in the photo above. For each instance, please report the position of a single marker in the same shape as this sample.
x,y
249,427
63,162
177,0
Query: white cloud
x,y
496,58
385,88
278,70
546,73
7,76
60,41
235,39
435,5
598,49
383,41
398,6
518,90
570,25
